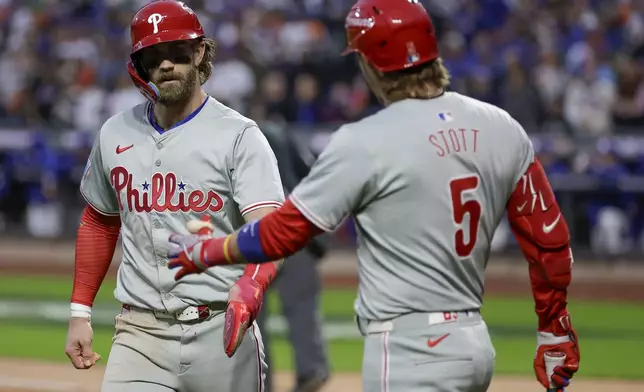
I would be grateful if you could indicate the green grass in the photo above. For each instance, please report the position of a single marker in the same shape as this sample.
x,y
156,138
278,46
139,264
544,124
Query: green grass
x,y
336,303
612,334
512,315
601,357
51,288
42,341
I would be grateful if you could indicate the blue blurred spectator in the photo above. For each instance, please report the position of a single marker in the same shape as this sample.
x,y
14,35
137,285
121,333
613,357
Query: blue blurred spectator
x,y
553,165
589,100
518,96
559,67
306,101
628,111
610,211
37,168
62,62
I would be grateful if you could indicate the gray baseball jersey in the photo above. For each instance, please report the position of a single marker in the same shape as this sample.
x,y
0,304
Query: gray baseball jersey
x,y
217,163
427,182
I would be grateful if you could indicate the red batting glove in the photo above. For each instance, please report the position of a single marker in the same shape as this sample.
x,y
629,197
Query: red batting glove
x,y
183,258
245,300
560,341
188,254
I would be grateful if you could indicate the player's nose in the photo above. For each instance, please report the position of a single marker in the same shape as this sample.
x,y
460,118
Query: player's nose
x,y
166,65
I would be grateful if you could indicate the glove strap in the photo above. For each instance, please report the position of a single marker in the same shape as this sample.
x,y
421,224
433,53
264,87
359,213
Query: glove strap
x,y
558,325
548,339
263,274
560,331
213,251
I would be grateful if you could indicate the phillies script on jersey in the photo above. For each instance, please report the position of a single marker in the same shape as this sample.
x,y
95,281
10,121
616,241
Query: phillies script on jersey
x,y
158,194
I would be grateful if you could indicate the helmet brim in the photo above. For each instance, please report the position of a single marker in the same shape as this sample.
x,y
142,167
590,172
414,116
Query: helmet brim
x,y
165,36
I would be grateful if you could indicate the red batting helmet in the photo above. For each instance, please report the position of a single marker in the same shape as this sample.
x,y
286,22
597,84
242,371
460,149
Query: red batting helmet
x,y
391,34
157,22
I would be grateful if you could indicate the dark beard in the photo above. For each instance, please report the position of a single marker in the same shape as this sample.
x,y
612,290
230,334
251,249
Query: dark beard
x,y
174,94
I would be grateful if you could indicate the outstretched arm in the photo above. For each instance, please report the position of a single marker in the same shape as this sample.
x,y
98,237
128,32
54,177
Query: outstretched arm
x,y
276,236
339,183
542,234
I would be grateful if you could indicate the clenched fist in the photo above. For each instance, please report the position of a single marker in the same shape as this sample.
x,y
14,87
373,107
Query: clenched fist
x,y
559,346
79,343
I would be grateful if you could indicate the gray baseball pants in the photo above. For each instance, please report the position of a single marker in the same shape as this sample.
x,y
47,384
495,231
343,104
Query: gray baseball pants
x,y
150,354
428,352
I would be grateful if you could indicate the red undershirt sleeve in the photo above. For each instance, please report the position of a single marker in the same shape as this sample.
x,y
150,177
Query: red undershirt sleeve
x,y
95,244
285,231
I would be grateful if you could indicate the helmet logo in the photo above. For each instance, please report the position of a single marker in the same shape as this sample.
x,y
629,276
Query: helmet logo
x,y
356,21
412,53
155,19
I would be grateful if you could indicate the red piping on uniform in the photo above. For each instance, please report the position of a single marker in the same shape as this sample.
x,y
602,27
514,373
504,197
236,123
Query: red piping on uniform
x,y
259,361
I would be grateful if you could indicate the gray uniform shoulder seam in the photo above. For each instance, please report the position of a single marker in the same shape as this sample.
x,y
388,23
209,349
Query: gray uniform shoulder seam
x,y
101,151
230,156
229,113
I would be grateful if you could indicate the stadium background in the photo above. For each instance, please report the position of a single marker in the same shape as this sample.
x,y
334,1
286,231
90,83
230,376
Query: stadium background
x,y
569,71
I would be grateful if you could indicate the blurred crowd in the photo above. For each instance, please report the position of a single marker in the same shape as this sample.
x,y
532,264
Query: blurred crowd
x,y
568,67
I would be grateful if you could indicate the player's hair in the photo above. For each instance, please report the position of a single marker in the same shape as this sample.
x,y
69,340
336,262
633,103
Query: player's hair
x,y
408,83
205,67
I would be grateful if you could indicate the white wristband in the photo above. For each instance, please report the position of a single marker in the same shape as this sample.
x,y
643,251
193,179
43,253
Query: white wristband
x,y
81,311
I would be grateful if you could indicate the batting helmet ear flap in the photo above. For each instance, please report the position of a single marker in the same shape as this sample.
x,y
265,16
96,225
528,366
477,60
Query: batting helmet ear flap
x,y
148,89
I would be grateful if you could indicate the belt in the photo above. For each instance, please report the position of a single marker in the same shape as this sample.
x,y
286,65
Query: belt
x,y
190,313
415,321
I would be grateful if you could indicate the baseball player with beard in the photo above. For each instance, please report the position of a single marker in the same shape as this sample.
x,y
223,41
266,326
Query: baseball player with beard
x,y
180,157
427,180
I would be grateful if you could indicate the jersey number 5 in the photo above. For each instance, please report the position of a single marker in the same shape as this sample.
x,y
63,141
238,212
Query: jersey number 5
x,y
460,208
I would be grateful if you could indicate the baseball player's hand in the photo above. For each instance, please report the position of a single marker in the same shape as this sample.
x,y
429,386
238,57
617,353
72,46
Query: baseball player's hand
x,y
245,300
186,254
560,343
79,344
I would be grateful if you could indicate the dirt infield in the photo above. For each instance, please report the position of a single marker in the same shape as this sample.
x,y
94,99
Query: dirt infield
x,y
29,376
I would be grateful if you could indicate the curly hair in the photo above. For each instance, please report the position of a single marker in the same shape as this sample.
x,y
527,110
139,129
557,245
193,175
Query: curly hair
x,y
205,67
409,83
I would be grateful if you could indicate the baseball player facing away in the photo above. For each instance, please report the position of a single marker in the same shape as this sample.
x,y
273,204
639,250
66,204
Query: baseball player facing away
x,y
152,169
427,179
